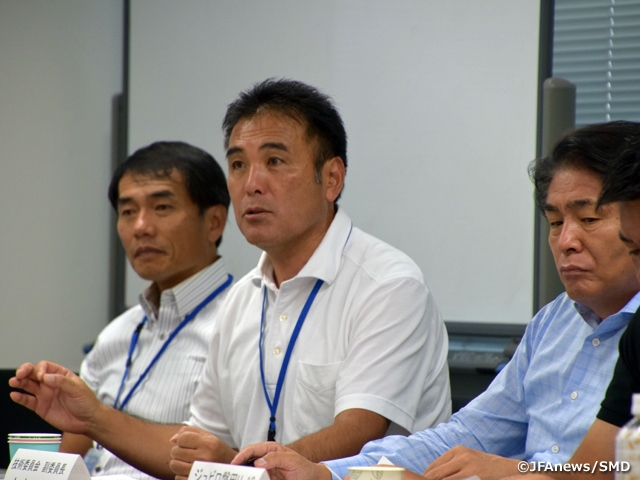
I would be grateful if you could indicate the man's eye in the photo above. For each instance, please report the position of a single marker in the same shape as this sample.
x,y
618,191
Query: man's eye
x,y
634,252
125,212
556,223
236,164
163,206
274,161
589,220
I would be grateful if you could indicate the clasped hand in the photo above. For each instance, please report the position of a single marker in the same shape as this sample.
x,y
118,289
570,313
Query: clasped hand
x,y
193,444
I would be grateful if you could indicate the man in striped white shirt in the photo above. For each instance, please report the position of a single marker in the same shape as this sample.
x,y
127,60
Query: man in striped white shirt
x,y
171,199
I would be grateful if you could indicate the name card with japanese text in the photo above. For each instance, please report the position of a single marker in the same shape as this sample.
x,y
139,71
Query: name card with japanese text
x,y
40,465
221,471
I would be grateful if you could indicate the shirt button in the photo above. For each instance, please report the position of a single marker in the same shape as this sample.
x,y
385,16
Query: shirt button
x,y
276,351
283,317
574,395
555,449
162,336
595,342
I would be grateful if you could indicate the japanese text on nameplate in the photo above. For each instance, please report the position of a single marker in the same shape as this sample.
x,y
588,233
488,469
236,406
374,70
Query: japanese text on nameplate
x,y
219,471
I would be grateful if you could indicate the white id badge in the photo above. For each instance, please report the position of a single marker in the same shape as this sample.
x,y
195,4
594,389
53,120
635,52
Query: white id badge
x,y
95,459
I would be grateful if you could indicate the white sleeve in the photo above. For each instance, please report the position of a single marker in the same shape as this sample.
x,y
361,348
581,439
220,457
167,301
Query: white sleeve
x,y
396,364
206,406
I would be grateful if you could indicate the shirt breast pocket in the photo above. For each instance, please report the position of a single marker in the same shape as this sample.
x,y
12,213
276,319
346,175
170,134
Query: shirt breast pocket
x,y
314,397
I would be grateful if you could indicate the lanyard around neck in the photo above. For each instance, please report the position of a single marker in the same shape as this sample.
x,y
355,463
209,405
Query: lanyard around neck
x,y
136,334
273,406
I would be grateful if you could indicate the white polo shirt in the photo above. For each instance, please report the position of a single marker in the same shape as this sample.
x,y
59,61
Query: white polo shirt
x,y
373,339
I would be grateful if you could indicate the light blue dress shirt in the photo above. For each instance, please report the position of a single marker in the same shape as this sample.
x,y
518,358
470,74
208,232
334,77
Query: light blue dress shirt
x,y
540,405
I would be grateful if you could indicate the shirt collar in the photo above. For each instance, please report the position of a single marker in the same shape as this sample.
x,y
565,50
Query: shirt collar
x,y
325,261
188,294
625,313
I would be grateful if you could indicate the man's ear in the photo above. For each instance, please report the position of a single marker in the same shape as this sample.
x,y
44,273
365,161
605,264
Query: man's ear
x,y
216,219
333,172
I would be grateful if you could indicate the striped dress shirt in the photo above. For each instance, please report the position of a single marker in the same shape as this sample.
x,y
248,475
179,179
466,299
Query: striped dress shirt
x,y
165,394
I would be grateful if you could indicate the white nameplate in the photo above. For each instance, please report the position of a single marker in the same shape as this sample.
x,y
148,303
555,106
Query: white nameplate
x,y
221,471
40,465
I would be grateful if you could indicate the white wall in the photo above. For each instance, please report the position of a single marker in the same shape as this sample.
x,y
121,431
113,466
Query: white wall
x,y
60,65
439,100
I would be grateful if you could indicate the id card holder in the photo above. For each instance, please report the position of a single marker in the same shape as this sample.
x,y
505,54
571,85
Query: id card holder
x,y
94,459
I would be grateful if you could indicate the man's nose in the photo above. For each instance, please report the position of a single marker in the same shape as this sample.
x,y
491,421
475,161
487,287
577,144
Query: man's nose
x,y
570,237
143,224
255,183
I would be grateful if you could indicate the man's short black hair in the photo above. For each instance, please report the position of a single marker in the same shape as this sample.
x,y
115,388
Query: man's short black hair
x,y
301,102
204,179
622,183
593,148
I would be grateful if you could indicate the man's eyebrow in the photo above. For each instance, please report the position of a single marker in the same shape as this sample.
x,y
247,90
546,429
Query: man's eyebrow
x,y
232,150
573,204
158,194
264,146
274,145
581,202
162,194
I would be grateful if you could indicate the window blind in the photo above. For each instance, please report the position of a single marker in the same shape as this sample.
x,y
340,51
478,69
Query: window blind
x,y
597,46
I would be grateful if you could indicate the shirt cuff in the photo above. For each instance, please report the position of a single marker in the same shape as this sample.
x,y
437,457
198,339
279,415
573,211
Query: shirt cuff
x,y
334,475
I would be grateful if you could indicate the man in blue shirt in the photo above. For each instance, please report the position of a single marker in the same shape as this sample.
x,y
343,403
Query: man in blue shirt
x,y
542,403
598,447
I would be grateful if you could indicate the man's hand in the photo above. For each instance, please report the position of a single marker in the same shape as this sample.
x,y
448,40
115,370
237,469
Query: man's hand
x,y
193,444
282,462
462,462
408,475
57,394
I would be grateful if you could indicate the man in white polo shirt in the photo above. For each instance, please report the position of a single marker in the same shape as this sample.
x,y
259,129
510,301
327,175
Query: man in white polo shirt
x,y
370,346
542,403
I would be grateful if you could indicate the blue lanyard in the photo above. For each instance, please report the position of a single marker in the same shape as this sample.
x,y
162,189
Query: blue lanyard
x,y
273,406
136,334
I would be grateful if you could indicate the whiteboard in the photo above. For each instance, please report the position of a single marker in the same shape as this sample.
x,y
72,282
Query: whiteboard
x,y
439,99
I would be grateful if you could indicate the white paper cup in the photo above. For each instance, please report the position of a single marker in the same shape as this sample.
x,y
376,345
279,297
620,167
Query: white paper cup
x,y
376,472
34,441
